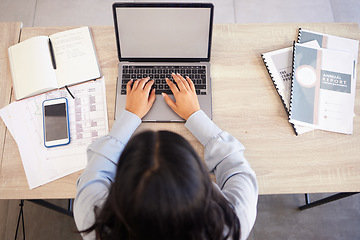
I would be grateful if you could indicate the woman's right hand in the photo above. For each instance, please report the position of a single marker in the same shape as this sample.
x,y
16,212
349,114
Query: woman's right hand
x,y
186,101
140,97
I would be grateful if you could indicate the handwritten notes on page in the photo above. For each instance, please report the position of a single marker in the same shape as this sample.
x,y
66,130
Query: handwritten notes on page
x,y
88,121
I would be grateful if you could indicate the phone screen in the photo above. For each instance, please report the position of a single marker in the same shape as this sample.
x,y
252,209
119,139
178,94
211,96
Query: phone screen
x,y
55,122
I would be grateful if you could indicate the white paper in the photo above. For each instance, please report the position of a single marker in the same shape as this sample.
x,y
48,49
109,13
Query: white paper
x,y
75,54
31,67
88,121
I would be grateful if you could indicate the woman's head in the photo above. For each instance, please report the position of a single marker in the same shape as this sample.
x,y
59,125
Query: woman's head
x,y
162,190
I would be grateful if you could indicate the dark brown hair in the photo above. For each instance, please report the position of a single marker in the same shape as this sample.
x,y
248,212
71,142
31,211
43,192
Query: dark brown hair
x,y
162,190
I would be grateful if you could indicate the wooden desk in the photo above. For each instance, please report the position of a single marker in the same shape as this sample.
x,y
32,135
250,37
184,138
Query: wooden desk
x,y
245,103
9,35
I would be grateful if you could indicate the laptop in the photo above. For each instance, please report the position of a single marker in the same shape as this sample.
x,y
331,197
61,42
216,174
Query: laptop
x,y
157,39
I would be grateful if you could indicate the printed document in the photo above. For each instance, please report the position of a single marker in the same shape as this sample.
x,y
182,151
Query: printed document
x,y
88,121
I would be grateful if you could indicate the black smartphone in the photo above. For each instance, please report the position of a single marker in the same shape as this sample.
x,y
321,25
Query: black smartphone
x,y
56,122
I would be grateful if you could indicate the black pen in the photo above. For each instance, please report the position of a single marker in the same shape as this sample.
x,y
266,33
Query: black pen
x,y
52,54
66,87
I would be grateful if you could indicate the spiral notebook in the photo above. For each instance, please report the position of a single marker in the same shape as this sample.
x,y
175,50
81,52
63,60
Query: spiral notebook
x,y
279,66
324,82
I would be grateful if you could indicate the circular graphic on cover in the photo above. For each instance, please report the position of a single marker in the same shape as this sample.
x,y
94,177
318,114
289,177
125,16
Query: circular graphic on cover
x,y
306,76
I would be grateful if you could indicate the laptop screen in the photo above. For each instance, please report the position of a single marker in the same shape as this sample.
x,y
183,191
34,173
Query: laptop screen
x,y
163,31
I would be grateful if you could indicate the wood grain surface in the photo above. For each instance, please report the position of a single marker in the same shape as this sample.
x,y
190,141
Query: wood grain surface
x,y
245,104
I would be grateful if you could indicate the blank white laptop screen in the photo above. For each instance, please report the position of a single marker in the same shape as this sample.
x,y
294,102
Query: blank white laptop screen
x,y
150,32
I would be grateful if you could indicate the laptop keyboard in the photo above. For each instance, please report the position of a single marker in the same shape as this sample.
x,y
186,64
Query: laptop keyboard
x,y
158,73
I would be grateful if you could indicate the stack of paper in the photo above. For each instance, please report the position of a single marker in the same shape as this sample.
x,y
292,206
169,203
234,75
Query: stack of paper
x,y
316,80
88,121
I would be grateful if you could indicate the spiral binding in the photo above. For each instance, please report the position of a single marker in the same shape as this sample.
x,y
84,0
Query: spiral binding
x,y
299,35
277,90
268,69
293,74
292,81
275,85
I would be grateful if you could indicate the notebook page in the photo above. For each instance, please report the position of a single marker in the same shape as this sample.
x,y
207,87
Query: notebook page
x,y
31,67
75,56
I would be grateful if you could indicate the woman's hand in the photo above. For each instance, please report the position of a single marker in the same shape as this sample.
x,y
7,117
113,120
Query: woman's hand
x,y
139,100
185,96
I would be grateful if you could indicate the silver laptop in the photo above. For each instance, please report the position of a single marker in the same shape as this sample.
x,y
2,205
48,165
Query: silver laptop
x,y
157,39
